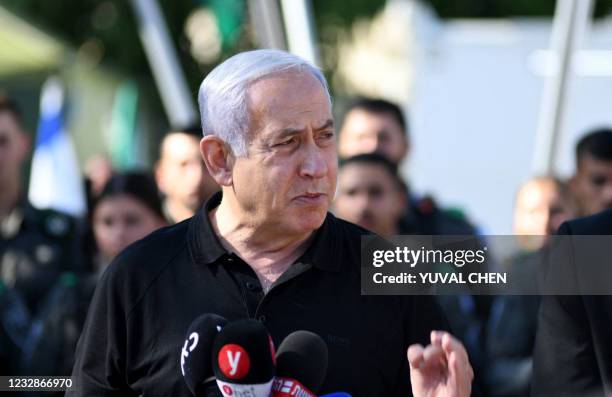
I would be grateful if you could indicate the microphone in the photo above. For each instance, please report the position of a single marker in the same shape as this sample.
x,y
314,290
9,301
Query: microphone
x,y
197,352
301,365
243,360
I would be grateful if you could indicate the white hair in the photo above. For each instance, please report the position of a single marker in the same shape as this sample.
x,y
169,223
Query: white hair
x,y
223,93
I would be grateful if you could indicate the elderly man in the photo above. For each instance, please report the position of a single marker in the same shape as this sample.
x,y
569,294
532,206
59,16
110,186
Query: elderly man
x,y
264,248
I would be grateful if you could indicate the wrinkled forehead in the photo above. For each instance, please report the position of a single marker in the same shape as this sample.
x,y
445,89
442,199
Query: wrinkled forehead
x,y
290,98
293,83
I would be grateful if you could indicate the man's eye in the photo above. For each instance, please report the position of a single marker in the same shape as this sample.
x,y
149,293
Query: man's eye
x,y
376,191
598,180
286,143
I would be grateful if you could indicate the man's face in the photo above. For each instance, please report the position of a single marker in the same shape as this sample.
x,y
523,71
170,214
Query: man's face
x,y
13,148
365,132
592,184
368,196
288,178
540,210
181,173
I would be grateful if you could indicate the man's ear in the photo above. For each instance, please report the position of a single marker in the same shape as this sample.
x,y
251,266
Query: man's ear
x,y
218,158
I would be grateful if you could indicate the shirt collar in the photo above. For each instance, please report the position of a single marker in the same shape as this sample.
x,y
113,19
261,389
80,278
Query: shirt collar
x,y
206,248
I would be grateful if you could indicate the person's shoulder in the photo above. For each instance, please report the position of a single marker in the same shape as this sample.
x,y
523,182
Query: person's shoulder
x,y
152,251
137,267
600,223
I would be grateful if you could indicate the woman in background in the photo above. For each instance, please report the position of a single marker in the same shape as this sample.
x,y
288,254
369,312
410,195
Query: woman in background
x,y
128,208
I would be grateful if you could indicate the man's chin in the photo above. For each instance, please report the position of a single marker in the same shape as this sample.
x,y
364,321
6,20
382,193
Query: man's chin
x,y
311,220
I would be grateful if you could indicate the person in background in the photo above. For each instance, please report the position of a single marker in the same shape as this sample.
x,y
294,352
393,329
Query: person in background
x,y
379,126
36,246
98,170
370,193
542,205
181,175
128,208
374,125
592,181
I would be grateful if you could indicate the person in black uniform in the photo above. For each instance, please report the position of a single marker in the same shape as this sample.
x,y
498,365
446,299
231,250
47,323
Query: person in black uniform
x,y
36,246
266,248
573,351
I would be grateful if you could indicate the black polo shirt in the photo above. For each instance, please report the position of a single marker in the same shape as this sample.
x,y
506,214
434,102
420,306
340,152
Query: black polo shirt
x,y
146,300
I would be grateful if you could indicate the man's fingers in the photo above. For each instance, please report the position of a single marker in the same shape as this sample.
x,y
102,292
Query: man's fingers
x,y
453,365
436,338
415,356
433,352
421,357
450,344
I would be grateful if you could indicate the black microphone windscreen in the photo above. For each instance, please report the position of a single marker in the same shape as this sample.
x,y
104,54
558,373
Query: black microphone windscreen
x,y
303,356
196,353
243,353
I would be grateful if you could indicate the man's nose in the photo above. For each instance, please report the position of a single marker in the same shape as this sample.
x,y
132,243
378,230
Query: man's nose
x,y
314,164
359,203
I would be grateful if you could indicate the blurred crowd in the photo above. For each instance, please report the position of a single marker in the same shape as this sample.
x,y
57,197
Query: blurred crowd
x,y
50,262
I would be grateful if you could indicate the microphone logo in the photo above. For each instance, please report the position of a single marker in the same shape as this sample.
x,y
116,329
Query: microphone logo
x,y
227,390
283,387
234,361
193,338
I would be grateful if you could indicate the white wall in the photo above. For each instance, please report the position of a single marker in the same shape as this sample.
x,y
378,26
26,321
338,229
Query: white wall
x,y
475,113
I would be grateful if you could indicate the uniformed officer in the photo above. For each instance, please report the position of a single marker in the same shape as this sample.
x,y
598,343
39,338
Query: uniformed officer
x,y
36,246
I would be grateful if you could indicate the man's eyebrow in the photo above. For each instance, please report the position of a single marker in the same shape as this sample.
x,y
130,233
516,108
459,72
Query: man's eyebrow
x,y
328,124
285,132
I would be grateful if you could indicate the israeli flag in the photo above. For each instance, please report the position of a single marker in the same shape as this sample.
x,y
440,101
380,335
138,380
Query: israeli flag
x,y
55,180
